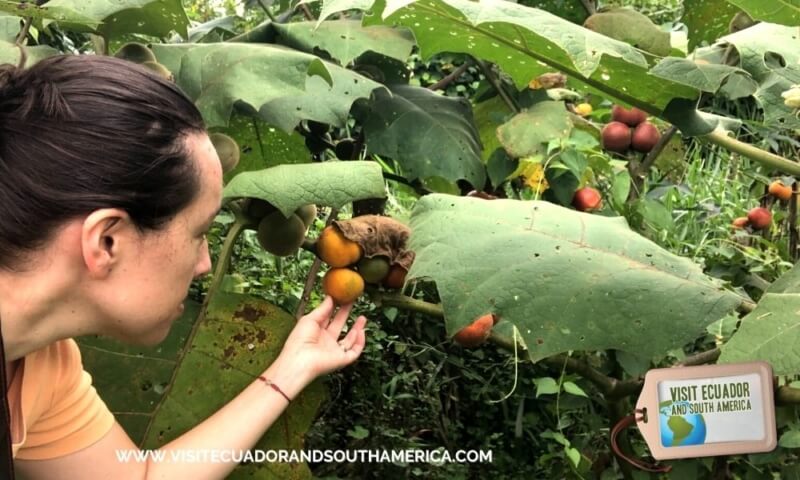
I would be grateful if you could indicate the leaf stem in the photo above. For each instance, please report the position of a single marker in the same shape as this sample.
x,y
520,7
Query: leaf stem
x,y
490,76
719,137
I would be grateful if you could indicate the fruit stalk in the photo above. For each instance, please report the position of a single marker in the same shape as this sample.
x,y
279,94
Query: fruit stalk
x,y
224,260
311,279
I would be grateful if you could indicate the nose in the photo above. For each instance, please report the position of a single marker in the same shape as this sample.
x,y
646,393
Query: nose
x,y
203,267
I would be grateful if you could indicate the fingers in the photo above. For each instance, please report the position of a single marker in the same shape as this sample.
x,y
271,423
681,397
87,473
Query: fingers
x,y
322,313
351,340
336,325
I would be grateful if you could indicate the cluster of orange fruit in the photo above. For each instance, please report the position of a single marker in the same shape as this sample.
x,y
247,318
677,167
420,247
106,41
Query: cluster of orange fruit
x,y
350,271
759,218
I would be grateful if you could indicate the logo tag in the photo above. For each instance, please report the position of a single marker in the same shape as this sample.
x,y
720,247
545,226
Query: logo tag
x,y
708,410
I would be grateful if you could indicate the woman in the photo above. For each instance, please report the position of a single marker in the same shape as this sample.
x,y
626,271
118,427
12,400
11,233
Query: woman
x,y
108,183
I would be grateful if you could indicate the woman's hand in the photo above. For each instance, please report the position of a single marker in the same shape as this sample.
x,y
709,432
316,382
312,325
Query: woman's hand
x,y
314,342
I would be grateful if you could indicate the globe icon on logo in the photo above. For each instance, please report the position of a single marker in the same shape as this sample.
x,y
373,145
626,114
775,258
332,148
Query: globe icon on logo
x,y
680,430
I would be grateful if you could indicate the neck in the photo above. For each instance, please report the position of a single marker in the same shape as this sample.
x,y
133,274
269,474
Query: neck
x,y
38,308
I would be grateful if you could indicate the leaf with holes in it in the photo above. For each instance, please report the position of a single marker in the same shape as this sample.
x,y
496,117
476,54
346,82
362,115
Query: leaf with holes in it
x,y
630,26
771,332
771,54
428,134
157,18
527,133
784,12
289,187
345,40
159,393
282,85
525,43
262,145
707,20
567,280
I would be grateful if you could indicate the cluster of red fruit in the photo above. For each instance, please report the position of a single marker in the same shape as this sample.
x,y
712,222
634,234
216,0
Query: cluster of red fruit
x,y
760,218
629,128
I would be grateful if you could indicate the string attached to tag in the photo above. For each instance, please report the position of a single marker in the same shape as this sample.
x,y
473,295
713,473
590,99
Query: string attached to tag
x,y
624,423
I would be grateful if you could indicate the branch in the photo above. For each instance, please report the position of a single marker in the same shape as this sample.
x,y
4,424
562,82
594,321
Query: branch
x,y
405,302
644,167
23,34
450,78
311,279
720,138
415,184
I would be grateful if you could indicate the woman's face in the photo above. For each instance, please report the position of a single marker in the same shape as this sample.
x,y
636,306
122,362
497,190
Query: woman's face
x,y
156,270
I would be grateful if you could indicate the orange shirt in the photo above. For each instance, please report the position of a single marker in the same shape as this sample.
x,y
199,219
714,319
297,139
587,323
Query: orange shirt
x,y
55,410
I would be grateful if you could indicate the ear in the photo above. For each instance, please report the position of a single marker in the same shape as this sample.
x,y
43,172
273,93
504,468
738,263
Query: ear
x,y
103,235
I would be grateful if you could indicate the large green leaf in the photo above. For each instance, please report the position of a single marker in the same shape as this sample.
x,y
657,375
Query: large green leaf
x,y
771,54
630,26
706,77
567,280
109,18
262,145
785,12
771,332
527,42
527,133
283,85
428,134
159,393
345,40
288,187
707,20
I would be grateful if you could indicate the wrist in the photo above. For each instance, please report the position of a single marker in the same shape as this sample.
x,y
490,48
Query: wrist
x,y
288,376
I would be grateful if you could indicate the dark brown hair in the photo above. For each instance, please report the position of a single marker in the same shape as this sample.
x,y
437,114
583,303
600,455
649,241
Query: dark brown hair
x,y
84,132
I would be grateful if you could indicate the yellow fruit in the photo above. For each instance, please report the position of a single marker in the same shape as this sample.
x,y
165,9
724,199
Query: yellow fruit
x,y
279,235
343,285
336,250
476,333
135,52
227,150
374,269
583,109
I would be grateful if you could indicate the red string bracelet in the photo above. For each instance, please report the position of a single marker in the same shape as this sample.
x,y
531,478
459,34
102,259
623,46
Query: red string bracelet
x,y
274,387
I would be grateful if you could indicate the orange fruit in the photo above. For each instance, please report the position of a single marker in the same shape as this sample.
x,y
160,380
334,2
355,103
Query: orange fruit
x,y
336,250
396,277
343,285
476,333
740,222
779,190
583,109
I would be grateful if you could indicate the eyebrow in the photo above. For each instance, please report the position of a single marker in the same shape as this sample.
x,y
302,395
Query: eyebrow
x,y
211,218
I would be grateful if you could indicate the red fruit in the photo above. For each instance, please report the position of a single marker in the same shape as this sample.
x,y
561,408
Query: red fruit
x,y
645,137
475,333
616,137
631,117
587,199
740,222
396,277
759,218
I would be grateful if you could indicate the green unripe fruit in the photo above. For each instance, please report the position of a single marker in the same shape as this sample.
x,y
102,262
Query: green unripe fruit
x,y
135,52
279,235
258,209
374,269
159,69
307,214
227,150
